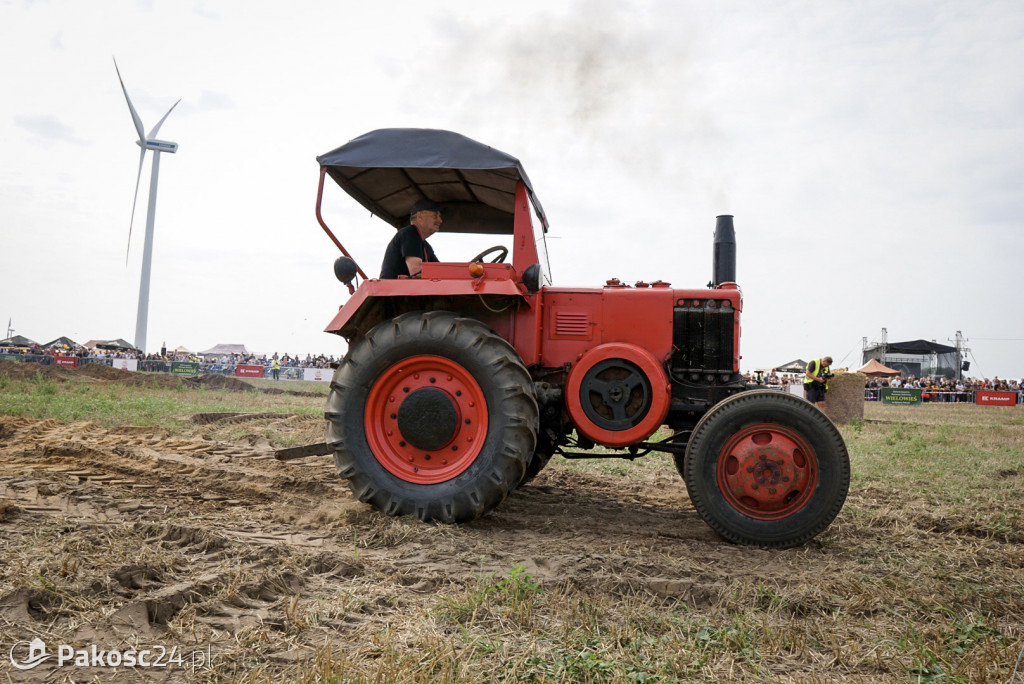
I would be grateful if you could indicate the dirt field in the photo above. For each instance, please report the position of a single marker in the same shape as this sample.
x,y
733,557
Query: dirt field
x,y
194,537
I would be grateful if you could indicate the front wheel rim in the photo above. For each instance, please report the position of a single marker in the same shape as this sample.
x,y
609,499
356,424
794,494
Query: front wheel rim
x,y
767,472
426,419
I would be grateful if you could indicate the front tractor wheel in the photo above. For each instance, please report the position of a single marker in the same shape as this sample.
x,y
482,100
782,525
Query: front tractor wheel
x,y
766,469
432,415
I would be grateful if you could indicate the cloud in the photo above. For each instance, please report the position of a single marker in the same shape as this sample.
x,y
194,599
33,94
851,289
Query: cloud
x,y
211,100
48,129
206,10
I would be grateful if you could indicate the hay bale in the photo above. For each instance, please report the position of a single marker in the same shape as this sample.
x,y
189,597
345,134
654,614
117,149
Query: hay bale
x,y
845,399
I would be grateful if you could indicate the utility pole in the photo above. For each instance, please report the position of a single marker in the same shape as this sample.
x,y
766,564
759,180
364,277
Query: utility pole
x,y
884,344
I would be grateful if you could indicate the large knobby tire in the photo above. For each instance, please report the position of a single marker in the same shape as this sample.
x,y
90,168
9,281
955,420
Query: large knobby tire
x,y
541,456
432,415
768,469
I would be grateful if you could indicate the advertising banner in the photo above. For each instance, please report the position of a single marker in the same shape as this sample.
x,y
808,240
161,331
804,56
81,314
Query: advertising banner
x,y
995,398
184,368
317,374
246,371
125,364
14,358
71,361
898,395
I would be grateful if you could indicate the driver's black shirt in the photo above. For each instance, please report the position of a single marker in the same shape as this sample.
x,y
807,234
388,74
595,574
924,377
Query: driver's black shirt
x,y
407,242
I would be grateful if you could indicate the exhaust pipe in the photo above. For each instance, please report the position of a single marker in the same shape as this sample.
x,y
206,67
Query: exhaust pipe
x,y
723,267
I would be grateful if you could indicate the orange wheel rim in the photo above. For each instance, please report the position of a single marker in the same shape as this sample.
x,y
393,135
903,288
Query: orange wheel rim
x,y
767,472
426,419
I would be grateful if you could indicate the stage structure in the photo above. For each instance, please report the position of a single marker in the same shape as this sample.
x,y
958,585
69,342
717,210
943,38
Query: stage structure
x,y
919,358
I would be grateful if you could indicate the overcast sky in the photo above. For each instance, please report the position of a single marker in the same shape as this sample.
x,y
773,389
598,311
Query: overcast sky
x,y
871,152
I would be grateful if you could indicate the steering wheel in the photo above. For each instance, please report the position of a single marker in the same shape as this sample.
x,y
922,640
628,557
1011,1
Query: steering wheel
x,y
500,259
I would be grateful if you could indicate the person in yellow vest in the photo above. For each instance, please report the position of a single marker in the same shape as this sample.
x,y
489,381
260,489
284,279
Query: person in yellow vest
x,y
275,368
816,381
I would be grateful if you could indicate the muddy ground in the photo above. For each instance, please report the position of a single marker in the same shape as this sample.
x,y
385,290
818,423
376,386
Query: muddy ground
x,y
133,537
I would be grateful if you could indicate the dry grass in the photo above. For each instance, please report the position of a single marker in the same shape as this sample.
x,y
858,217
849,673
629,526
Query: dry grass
x,y
598,572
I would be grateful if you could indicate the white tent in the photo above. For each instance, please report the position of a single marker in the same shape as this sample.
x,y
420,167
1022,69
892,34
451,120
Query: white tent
x,y
222,349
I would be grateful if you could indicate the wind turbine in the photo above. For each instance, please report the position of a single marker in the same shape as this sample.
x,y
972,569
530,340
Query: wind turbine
x,y
146,142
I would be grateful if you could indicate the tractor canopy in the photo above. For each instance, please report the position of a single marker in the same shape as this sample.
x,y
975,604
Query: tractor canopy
x,y
390,169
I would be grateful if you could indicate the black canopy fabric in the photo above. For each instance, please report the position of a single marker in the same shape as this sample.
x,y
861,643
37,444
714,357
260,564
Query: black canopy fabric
x,y
389,170
110,345
918,347
797,366
62,342
17,341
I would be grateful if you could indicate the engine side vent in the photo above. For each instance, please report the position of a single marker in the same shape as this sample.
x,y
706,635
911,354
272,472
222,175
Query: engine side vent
x,y
572,324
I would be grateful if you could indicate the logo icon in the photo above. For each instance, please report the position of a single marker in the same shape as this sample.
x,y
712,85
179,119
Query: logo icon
x,y
36,654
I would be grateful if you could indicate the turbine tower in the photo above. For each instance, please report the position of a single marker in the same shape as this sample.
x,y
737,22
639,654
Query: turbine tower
x,y
146,142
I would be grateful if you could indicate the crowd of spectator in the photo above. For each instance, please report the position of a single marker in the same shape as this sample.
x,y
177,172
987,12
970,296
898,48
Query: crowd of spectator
x,y
933,389
949,385
773,378
946,389
937,384
285,361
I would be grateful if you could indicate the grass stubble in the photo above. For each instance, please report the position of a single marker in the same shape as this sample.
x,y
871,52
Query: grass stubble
x,y
919,578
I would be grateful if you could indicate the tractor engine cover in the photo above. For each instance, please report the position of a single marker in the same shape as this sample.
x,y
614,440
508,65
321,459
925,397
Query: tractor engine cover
x,y
618,394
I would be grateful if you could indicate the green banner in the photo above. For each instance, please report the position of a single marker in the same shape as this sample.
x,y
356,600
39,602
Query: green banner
x,y
184,368
896,395
16,358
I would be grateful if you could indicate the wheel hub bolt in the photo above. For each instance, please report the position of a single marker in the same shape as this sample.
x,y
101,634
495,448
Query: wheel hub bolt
x,y
771,490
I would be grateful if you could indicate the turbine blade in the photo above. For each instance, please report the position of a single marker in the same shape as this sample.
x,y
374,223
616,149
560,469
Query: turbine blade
x,y
152,133
138,178
131,107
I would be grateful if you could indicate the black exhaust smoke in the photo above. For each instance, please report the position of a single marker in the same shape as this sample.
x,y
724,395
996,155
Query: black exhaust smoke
x,y
723,268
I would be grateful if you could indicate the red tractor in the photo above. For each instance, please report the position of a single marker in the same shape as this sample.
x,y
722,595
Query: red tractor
x,y
460,385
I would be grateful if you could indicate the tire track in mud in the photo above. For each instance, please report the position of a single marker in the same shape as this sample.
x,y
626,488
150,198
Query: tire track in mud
x,y
206,541
190,525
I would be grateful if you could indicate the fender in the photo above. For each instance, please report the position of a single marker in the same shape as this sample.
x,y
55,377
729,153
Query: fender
x,y
439,280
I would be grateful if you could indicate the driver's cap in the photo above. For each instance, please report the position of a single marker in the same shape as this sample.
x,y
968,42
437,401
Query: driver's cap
x,y
425,205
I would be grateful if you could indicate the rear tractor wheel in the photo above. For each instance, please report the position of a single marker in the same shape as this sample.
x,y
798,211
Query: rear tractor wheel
x,y
766,469
432,415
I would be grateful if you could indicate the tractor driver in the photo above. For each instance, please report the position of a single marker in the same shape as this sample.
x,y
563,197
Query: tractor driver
x,y
816,381
409,249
